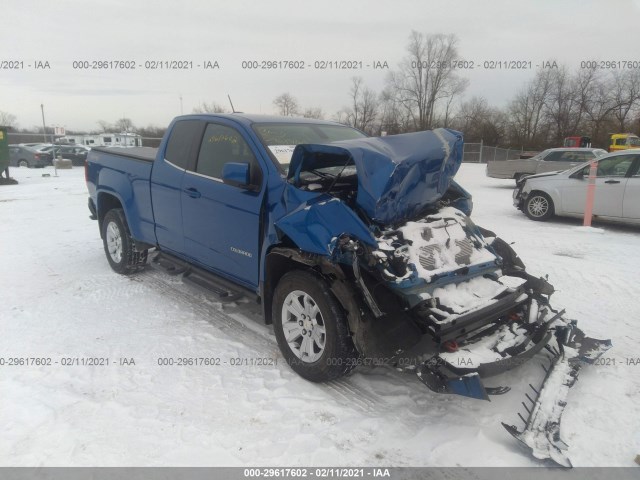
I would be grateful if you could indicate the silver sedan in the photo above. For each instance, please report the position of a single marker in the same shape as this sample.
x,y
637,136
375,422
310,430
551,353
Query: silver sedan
x,y
552,159
617,193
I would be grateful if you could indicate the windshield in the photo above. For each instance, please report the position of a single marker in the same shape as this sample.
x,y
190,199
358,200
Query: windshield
x,y
281,138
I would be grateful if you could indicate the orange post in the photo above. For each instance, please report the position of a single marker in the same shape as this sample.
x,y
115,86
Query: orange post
x,y
591,193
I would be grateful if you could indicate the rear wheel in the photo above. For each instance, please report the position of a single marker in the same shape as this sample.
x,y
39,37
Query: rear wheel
x,y
311,328
539,206
23,163
119,247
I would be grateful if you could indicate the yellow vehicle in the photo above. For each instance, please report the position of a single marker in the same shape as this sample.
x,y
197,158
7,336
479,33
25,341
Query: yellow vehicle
x,y
623,141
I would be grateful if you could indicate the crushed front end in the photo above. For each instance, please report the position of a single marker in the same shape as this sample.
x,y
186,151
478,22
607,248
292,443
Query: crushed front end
x,y
423,286
484,315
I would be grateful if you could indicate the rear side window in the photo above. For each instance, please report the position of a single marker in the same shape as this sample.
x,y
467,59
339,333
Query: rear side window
x,y
185,135
553,156
577,157
221,145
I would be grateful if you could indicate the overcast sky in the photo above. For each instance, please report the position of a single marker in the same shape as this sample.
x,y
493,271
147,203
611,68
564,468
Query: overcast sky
x,y
232,31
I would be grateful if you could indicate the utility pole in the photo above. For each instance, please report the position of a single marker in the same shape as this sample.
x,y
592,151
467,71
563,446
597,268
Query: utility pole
x,y
44,125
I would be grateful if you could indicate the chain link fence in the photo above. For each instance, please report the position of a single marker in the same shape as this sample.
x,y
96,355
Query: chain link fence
x,y
480,153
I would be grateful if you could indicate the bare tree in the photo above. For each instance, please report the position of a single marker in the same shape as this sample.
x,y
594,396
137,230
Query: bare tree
x,y
478,121
528,108
394,118
565,106
313,112
212,107
151,131
426,76
106,127
124,125
363,111
452,91
287,104
600,103
8,119
626,95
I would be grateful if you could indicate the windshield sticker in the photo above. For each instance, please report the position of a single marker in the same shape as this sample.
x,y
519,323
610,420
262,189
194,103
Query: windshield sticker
x,y
282,153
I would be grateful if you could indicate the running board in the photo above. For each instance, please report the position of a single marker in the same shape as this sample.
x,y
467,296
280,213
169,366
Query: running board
x,y
225,290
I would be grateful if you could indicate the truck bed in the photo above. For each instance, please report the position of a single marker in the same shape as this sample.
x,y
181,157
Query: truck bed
x,y
125,172
147,154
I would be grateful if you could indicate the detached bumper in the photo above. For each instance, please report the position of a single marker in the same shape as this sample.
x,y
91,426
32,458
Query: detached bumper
x,y
569,348
509,345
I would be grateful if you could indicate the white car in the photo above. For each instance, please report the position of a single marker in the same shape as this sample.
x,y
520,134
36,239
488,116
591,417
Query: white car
x,y
617,194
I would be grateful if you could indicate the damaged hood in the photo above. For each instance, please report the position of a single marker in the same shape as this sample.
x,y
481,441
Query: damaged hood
x,y
398,175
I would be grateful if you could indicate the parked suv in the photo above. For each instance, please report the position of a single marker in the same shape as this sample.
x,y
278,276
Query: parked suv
x,y
550,160
21,156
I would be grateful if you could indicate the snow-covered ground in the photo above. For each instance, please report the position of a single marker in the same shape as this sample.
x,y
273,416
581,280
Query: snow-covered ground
x,y
59,299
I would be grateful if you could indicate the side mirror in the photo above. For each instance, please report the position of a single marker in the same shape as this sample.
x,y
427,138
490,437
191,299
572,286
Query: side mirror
x,y
237,175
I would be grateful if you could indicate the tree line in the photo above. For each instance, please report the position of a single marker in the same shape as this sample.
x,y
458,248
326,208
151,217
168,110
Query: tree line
x,y
425,92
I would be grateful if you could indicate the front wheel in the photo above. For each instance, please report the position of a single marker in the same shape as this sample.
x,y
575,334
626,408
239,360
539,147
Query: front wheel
x,y
539,206
119,246
311,328
23,163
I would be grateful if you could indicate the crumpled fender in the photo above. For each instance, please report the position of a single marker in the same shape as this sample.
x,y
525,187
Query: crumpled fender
x,y
316,224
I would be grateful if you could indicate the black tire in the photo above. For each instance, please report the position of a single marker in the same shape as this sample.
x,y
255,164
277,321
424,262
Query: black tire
x,y
339,355
539,206
23,163
129,259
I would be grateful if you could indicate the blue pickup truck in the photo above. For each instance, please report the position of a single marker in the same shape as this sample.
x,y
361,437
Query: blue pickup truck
x,y
359,249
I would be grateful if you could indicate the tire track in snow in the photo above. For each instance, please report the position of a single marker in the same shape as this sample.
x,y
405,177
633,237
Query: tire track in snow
x,y
256,336
109,288
210,311
362,400
241,322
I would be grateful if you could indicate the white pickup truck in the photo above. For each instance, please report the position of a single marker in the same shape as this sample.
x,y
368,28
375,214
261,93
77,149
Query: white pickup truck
x,y
550,160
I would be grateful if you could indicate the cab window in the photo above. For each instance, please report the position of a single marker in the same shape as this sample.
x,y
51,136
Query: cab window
x,y
184,135
220,145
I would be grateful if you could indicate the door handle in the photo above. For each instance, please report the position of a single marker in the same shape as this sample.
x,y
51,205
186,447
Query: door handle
x,y
192,192
612,181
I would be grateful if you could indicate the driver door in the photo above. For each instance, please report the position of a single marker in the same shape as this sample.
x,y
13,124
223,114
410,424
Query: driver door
x,y
611,181
221,223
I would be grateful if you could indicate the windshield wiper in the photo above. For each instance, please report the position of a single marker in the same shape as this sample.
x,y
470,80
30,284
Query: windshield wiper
x,y
321,174
338,175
